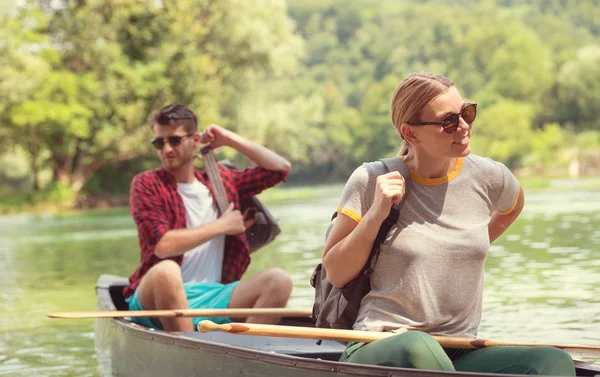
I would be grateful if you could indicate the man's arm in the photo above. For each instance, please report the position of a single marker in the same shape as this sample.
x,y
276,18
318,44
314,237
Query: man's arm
x,y
147,209
263,157
178,241
499,222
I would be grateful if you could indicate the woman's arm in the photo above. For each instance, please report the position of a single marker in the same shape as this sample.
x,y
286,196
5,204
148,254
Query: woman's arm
x,y
349,242
348,247
499,222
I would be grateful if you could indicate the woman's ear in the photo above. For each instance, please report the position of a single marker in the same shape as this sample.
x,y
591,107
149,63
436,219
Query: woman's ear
x,y
408,134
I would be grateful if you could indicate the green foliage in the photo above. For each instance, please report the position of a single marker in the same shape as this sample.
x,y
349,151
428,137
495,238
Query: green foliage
x,y
55,196
578,86
108,67
549,148
521,67
309,79
503,132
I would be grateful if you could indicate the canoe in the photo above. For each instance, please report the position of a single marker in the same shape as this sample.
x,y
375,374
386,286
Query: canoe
x,y
125,349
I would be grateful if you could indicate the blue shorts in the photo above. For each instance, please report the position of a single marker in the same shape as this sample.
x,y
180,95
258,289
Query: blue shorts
x,y
206,295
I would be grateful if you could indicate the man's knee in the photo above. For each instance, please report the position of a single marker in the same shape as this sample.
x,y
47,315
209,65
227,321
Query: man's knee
x,y
278,284
165,275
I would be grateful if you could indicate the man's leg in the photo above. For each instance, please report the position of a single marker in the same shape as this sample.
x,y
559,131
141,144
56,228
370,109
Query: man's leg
x,y
161,288
268,289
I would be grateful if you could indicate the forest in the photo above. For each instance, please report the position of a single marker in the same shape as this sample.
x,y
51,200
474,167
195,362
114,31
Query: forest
x,y
312,80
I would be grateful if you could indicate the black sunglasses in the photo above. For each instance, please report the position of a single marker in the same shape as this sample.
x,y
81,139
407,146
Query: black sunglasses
x,y
174,141
450,122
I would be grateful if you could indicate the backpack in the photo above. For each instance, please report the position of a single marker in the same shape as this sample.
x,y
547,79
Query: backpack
x,y
265,227
337,308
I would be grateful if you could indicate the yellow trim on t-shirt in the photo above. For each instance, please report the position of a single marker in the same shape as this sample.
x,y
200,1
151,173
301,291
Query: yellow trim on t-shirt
x,y
512,207
350,213
441,180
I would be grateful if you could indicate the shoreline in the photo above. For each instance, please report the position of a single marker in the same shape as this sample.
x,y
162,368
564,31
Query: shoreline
x,y
291,192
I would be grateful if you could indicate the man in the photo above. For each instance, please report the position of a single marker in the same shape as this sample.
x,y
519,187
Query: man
x,y
190,255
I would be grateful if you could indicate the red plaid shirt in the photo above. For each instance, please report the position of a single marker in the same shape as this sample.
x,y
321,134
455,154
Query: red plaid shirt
x,y
157,207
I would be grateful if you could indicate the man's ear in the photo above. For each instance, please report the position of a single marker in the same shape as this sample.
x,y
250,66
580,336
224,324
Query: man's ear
x,y
408,134
196,138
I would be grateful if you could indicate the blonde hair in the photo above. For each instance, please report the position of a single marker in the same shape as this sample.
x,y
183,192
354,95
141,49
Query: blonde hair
x,y
412,95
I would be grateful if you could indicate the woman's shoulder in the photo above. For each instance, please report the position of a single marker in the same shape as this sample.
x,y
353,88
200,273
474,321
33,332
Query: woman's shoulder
x,y
484,164
368,169
365,175
487,172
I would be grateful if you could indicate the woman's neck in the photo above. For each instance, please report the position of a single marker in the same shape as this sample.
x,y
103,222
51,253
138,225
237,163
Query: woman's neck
x,y
428,166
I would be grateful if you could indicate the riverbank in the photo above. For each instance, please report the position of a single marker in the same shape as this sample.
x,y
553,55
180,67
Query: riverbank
x,y
43,203
60,201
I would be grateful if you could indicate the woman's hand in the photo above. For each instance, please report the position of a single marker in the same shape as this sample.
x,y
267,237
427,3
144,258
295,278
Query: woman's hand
x,y
390,189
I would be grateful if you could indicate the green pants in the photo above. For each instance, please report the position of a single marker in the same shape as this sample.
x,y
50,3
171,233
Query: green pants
x,y
419,350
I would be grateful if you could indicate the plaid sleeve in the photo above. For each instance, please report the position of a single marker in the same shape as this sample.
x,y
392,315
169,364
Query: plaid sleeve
x,y
148,210
252,181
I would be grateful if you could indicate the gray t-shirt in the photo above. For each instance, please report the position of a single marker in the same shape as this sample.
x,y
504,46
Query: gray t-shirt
x,y
429,275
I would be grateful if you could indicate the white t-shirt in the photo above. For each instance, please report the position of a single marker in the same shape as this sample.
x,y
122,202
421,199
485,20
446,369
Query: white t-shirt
x,y
204,262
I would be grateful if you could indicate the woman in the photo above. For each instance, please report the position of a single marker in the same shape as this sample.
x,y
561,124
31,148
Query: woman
x,y
429,275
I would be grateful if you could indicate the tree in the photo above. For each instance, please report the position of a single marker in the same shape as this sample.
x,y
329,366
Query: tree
x,y
578,90
503,132
22,71
110,65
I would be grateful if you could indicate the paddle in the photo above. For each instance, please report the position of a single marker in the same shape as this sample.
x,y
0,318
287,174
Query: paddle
x,y
370,336
231,313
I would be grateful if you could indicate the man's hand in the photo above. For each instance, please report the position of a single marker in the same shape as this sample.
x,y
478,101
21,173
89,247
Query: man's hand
x,y
232,221
216,136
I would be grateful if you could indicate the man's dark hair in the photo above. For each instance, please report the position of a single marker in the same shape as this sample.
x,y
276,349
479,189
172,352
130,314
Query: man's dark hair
x,y
175,115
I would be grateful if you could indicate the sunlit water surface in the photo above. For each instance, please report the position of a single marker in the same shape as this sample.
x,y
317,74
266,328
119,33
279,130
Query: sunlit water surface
x,y
542,276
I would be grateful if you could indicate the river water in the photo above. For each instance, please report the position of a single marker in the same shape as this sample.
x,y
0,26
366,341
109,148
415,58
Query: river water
x,y
542,279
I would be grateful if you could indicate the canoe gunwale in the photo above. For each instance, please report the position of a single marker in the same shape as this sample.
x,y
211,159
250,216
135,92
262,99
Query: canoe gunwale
x,y
316,366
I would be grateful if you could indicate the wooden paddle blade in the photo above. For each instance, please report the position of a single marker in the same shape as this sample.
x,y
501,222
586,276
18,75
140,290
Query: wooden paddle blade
x,y
584,353
231,313
488,343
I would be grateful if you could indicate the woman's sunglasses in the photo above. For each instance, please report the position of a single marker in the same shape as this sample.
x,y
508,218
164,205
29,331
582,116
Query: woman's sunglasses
x,y
174,141
450,122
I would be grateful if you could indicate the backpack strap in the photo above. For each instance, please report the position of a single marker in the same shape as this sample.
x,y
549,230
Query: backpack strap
x,y
214,177
397,164
392,164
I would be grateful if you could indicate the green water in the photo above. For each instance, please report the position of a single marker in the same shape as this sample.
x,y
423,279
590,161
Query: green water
x,y
542,276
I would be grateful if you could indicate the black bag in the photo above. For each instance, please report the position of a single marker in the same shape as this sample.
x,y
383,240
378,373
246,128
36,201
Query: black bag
x,y
338,307
265,227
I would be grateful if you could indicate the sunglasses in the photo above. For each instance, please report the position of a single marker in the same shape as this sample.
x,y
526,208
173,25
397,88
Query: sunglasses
x,y
174,141
450,122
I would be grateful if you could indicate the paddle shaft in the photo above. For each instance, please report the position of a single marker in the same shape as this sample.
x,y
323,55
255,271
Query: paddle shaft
x,y
231,313
361,336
